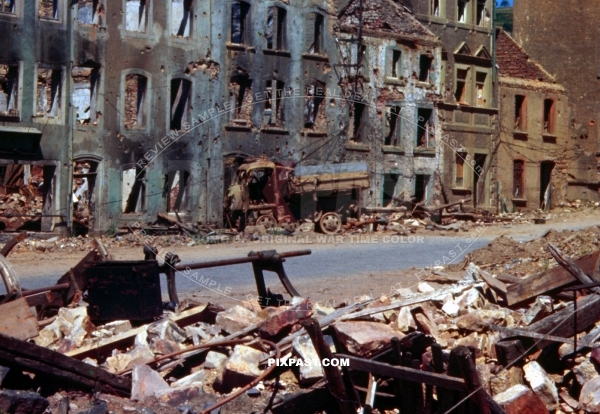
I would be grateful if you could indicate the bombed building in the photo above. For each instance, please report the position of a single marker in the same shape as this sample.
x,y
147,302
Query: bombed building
x,y
535,148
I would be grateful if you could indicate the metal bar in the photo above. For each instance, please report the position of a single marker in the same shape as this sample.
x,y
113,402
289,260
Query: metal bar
x,y
62,286
239,260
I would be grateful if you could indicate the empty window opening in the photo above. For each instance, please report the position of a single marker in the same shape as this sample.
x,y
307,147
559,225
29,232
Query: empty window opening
x,y
49,91
135,97
240,90
424,67
317,45
520,113
240,22
180,102
462,11
395,69
48,9
480,79
9,91
90,12
7,6
549,116
133,198
392,126
175,190
519,179
459,169
422,188
181,17
357,130
435,8
425,128
483,14
314,109
84,181
275,31
546,168
461,85
273,109
479,180
390,184
136,15
85,91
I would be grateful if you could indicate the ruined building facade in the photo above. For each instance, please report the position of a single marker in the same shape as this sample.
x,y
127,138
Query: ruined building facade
x,y
571,54
535,145
469,107
395,125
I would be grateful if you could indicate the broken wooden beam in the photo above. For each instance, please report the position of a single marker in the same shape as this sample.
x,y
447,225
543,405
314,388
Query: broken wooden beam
x,y
554,278
182,226
18,354
12,243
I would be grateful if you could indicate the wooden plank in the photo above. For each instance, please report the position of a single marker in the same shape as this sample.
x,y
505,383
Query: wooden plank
x,y
515,332
21,354
404,373
494,283
17,320
178,224
125,338
561,323
506,278
552,279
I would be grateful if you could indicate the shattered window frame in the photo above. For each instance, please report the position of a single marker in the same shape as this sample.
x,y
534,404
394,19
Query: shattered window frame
x,y
276,36
520,123
459,169
318,37
183,30
462,84
314,103
8,7
273,115
483,13
390,179
240,90
94,84
180,105
97,13
483,88
518,179
12,85
393,65
142,104
462,11
57,93
422,184
85,179
393,125
133,200
56,5
358,113
425,133
144,15
425,66
549,117
243,21
435,8
182,199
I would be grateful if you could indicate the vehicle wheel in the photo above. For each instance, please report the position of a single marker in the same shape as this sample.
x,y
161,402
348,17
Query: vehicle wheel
x,y
267,221
330,223
288,223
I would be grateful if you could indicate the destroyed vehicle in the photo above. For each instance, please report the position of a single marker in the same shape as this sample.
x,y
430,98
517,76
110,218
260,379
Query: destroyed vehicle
x,y
274,194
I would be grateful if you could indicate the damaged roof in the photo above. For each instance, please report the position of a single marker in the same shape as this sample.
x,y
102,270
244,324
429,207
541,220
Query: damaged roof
x,y
514,62
384,16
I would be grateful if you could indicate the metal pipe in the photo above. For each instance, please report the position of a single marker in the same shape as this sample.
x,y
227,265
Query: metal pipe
x,y
239,260
62,286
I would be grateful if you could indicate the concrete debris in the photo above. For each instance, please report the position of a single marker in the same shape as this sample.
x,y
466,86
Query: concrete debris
x,y
241,367
215,360
519,399
304,348
542,384
196,378
147,383
589,398
285,318
166,330
365,338
236,318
